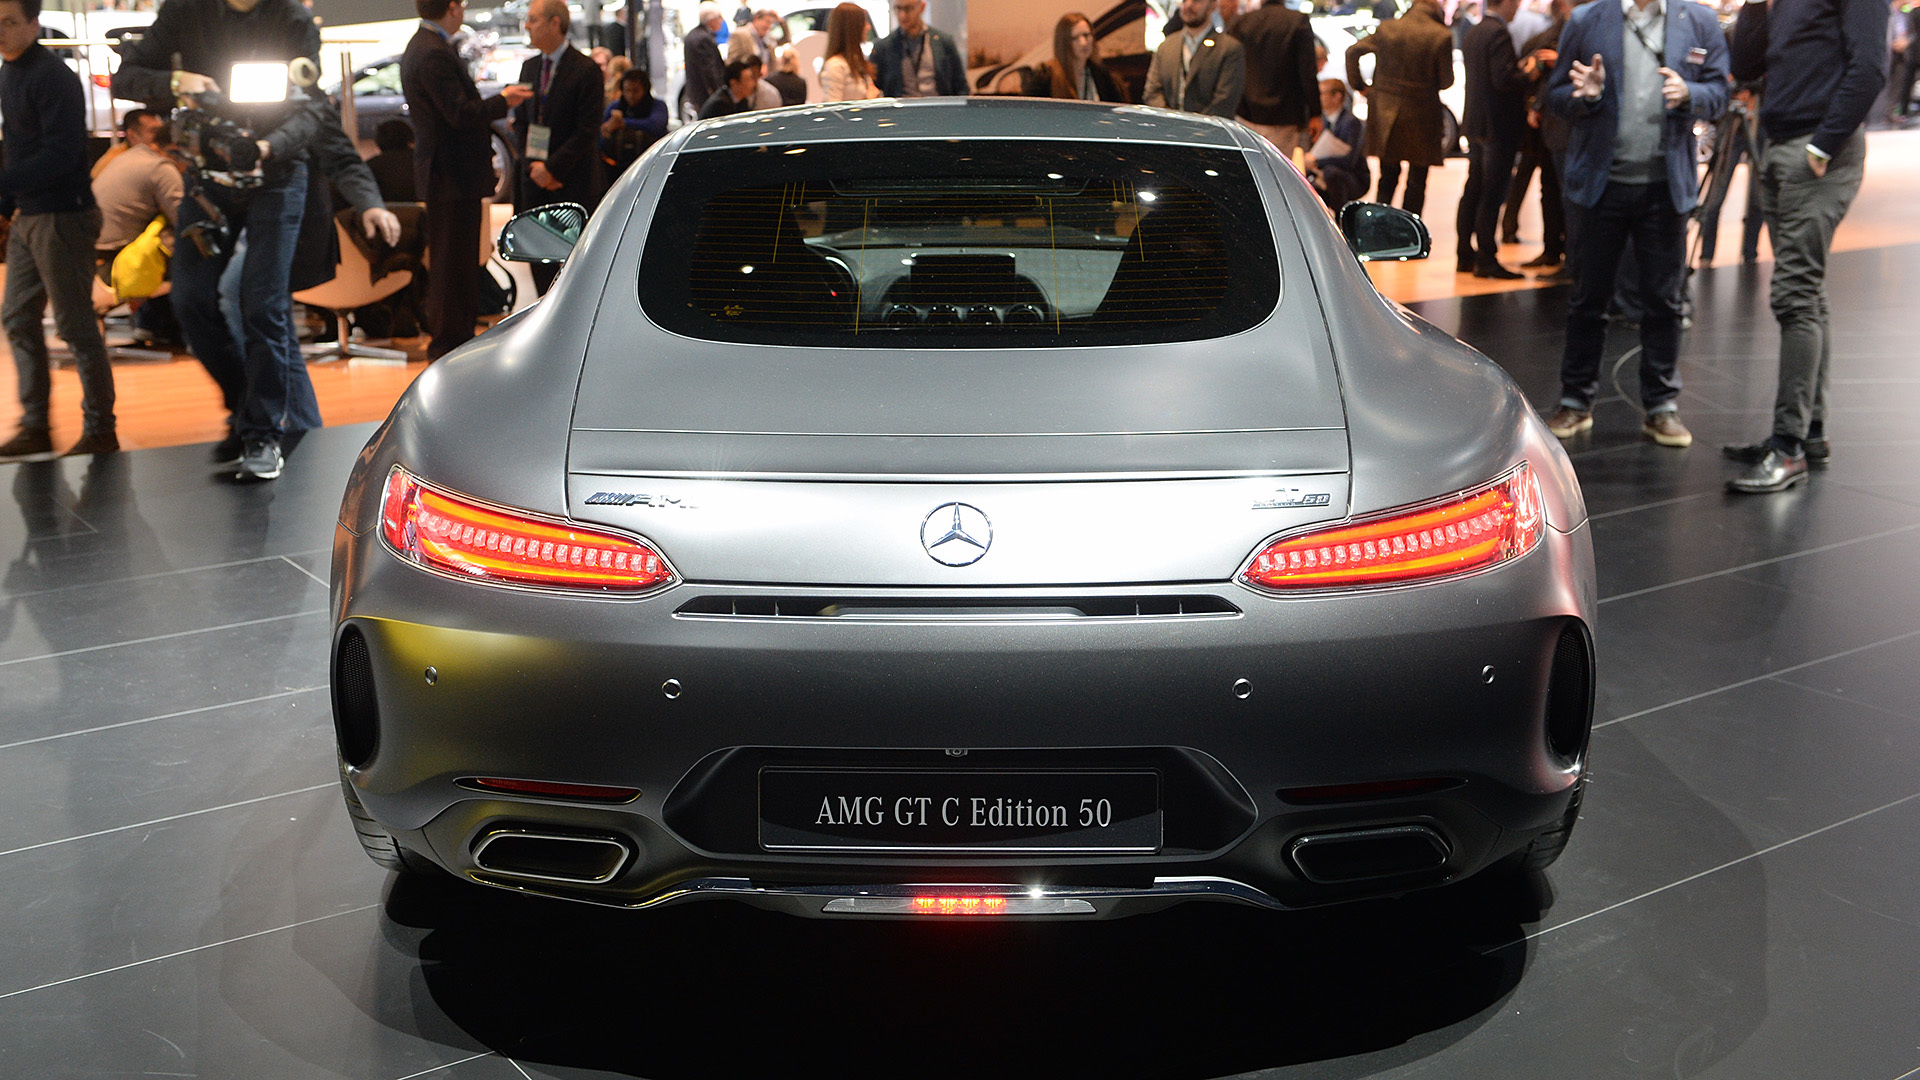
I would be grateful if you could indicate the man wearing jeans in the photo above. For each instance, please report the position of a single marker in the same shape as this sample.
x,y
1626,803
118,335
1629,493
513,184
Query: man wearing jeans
x,y
206,39
1632,77
1825,62
50,251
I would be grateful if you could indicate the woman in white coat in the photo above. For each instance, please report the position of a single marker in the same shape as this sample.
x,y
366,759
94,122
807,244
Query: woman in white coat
x,y
847,75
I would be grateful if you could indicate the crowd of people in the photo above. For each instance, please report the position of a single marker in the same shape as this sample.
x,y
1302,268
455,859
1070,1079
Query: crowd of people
x,y
1599,101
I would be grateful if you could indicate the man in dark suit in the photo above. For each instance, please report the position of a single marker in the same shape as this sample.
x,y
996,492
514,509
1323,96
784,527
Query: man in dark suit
x,y
1197,68
453,165
1496,117
1283,90
706,68
558,129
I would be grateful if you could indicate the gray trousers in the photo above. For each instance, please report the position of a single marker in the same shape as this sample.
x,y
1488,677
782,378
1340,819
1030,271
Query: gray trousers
x,y
1802,212
50,256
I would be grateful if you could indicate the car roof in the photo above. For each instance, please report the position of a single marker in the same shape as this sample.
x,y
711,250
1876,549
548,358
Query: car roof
x,y
960,118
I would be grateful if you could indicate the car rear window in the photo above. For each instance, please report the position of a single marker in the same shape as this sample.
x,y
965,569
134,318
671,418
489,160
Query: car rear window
x,y
960,244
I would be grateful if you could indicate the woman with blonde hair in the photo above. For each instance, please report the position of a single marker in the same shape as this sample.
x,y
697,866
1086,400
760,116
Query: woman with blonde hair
x,y
617,69
847,75
1073,72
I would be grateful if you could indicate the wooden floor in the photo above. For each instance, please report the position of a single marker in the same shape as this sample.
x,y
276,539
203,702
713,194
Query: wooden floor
x,y
174,403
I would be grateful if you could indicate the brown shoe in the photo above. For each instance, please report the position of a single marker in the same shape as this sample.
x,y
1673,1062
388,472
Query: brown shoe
x,y
27,442
94,442
1666,429
1565,423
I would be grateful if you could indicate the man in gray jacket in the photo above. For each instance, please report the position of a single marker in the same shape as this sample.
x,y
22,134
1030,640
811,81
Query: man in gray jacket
x,y
1199,69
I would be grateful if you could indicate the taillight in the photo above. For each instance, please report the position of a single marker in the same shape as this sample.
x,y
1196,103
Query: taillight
x,y
441,531
1454,535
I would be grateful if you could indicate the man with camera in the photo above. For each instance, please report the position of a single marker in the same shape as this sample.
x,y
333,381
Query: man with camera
x,y
50,249
250,179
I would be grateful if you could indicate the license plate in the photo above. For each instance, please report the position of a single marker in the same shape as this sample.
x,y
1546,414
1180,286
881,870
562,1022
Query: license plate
x,y
959,811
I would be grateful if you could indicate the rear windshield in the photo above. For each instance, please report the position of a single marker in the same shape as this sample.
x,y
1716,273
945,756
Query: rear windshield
x,y
964,244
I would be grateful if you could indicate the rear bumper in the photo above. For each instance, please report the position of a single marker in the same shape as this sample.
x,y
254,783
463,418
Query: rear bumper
x,y
1448,681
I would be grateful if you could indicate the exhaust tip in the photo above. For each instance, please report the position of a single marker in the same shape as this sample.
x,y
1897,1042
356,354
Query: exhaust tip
x,y
572,859
1368,854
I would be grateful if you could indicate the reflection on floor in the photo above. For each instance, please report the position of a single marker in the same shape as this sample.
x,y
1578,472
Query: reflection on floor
x,y
184,896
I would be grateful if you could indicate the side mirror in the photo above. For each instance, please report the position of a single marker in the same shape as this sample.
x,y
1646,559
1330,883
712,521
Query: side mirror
x,y
544,234
1379,233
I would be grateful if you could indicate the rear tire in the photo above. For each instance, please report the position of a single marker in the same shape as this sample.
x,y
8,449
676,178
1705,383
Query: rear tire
x,y
375,840
1547,846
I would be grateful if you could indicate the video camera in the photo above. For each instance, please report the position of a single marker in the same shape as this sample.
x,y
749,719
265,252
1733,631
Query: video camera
x,y
224,151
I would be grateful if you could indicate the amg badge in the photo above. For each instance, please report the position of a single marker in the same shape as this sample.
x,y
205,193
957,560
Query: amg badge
x,y
623,498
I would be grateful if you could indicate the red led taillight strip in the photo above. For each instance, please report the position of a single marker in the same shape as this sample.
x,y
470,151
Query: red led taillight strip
x,y
1469,531
439,530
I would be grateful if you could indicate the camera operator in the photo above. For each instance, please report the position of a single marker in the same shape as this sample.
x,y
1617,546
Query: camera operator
x,y
187,52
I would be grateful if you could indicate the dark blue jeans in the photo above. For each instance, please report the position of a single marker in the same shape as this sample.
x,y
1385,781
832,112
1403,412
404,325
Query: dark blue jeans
x,y
1644,213
257,375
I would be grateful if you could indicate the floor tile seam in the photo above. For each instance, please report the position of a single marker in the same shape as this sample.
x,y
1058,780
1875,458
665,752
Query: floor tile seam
x,y
1897,714
1844,653
449,1065
169,818
1866,488
1729,864
295,692
163,637
1604,515
198,948
163,573
289,561
1756,564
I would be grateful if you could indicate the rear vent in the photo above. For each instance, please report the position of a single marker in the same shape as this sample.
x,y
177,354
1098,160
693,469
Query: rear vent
x,y
924,608
579,859
356,712
1368,854
1570,694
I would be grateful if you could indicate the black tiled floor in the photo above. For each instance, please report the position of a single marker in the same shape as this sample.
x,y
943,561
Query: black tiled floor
x,y
184,895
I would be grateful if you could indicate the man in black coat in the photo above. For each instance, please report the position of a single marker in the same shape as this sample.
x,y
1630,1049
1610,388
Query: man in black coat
x,y
1496,118
558,129
706,68
1282,90
916,60
453,165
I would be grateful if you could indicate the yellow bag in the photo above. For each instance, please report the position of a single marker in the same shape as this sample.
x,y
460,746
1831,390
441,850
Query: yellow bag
x,y
141,267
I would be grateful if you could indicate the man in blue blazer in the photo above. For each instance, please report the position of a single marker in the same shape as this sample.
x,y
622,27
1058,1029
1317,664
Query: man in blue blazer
x,y
1632,77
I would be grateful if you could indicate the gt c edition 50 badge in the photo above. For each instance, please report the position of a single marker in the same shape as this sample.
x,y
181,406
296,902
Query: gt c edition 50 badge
x,y
956,534
1289,497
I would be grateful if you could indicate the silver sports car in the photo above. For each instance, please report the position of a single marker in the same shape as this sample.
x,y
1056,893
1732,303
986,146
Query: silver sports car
x,y
963,507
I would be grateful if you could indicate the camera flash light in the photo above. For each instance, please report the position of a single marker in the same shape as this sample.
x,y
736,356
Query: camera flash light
x,y
255,83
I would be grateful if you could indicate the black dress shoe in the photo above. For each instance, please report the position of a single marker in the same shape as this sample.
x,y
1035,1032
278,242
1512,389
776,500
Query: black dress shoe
x,y
1542,260
1463,264
1497,273
1776,471
1817,451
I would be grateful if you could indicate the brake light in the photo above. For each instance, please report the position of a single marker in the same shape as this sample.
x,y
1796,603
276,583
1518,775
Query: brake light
x,y
959,905
1469,531
589,792
444,532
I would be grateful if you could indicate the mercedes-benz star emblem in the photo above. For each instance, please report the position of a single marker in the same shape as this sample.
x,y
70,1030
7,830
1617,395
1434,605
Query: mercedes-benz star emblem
x,y
956,534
